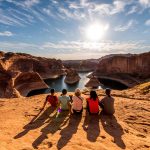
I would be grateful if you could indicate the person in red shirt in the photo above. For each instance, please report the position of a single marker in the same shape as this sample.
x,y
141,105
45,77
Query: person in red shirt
x,y
93,103
52,99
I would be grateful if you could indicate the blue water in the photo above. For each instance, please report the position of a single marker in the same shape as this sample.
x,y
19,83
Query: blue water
x,y
59,84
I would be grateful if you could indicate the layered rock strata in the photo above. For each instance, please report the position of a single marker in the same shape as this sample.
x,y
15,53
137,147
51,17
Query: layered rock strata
x,y
20,73
129,69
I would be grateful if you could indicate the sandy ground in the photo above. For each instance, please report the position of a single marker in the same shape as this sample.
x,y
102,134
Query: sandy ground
x,y
128,129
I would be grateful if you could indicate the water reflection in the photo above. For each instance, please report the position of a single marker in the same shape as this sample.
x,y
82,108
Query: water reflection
x,y
59,84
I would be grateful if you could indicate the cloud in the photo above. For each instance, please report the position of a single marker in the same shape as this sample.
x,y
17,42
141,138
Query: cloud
x,y
117,6
30,3
8,20
6,33
125,27
54,2
60,31
48,12
25,4
133,9
64,12
20,15
26,13
81,46
74,5
147,22
76,49
84,10
145,3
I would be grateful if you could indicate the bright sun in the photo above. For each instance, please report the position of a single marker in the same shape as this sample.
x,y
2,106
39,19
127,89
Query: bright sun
x,y
95,31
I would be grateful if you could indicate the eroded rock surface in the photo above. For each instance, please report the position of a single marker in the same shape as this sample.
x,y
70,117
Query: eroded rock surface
x,y
46,67
128,69
72,76
93,82
28,81
21,73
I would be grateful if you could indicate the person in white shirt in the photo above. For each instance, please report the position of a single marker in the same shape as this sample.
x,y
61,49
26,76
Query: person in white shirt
x,y
77,102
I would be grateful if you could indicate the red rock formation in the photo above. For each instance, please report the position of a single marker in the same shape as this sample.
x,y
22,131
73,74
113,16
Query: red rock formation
x,y
21,73
47,68
72,76
125,67
28,81
1,54
93,82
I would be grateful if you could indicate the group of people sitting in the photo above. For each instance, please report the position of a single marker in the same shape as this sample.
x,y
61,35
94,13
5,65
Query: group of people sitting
x,y
74,104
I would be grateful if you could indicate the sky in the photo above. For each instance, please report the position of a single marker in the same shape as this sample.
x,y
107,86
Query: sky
x,y
74,29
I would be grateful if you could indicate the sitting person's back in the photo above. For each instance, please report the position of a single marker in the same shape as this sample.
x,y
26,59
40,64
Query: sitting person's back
x,y
107,103
64,100
52,99
77,104
93,103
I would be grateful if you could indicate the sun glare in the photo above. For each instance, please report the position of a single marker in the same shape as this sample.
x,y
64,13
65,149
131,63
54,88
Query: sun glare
x,y
96,31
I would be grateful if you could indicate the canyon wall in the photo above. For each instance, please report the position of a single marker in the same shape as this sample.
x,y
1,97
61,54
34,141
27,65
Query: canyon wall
x,y
125,67
21,73
81,65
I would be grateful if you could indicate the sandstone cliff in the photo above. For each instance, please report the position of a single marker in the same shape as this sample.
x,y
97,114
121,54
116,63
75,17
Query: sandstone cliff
x,y
28,81
46,67
21,73
128,69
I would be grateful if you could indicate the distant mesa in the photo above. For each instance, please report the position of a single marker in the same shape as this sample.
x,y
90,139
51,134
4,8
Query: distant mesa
x,y
81,65
93,83
72,76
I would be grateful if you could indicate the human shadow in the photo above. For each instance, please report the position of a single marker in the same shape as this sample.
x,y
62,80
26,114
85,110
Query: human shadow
x,y
36,122
91,126
113,128
67,132
53,126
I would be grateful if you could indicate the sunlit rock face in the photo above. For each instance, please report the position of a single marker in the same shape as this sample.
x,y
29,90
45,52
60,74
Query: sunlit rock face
x,y
47,68
21,73
126,67
72,76
93,83
28,81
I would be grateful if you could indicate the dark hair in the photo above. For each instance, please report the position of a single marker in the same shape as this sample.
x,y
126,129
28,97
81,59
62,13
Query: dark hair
x,y
93,95
64,91
108,91
52,91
